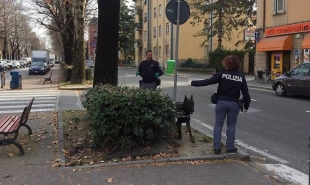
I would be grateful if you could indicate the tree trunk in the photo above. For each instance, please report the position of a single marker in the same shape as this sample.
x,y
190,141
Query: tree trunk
x,y
78,70
68,50
106,71
220,26
68,35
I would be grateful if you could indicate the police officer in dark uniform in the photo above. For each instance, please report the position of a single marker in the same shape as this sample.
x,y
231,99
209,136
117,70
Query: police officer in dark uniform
x,y
230,82
149,70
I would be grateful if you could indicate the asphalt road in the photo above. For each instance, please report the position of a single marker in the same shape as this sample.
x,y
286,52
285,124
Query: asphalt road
x,y
276,128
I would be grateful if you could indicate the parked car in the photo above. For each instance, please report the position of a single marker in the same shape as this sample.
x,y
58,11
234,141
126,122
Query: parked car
x,y
5,64
296,81
89,63
16,64
22,63
9,64
37,68
2,68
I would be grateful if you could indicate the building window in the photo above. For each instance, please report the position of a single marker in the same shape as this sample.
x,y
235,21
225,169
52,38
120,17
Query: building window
x,y
167,28
278,6
167,50
145,35
159,51
155,52
159,30
205,51
160,9
155,32
155,12
145,17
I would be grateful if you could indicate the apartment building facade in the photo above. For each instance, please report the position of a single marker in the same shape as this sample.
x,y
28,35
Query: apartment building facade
x,y
154,32
283,35
92,38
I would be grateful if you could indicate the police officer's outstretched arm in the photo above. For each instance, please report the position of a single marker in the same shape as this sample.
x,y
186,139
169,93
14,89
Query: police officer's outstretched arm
x,y
246,95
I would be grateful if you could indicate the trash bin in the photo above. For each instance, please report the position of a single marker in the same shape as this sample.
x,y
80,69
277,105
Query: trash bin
x,y
14,83
170,66
260,74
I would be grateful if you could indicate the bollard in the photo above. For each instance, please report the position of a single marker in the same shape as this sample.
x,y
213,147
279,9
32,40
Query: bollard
x,y
20,81
1,80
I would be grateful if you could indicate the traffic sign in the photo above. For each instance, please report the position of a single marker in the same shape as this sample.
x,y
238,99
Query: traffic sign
x,y
93,43
171,11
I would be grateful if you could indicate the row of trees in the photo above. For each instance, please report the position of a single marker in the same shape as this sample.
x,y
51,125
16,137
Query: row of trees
x,y
16,35
222,17
66,21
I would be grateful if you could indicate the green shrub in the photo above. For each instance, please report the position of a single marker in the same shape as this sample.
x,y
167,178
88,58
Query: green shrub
x,y
218,55
67,72
190,63
88,75
124,117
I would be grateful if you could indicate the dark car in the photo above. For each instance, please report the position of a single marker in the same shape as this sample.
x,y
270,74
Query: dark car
x,y
37,68
296,81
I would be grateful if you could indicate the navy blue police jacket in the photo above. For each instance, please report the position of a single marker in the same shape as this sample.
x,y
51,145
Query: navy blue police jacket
x,y
148,69
230,83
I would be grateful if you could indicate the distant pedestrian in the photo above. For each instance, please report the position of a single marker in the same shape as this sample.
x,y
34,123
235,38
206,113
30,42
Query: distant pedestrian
x,y
230,82
149,70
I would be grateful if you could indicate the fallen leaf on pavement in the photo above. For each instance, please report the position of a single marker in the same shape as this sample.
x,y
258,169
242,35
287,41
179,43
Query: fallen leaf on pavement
x,y
110,180
11,154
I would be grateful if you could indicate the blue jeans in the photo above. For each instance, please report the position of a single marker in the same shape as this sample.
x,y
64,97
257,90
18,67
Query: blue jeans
x,y
223,108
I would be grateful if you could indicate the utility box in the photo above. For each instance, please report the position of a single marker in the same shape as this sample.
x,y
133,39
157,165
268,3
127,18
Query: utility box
x,y
14,83
170,66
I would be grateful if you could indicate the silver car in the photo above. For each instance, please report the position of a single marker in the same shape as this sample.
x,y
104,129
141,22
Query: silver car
x,y
296,81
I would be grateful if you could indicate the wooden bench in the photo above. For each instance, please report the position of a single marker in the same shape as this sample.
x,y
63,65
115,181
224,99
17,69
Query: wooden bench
x,y
10,124
48,79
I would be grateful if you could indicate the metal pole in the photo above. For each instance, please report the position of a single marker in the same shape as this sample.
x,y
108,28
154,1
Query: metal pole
x,y
20,81
176,50
1,80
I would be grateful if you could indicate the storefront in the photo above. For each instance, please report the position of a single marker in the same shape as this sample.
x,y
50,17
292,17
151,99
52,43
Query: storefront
x,y
283,48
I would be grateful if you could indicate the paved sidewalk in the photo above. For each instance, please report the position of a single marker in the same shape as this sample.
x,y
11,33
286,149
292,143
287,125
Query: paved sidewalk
x,y
43,149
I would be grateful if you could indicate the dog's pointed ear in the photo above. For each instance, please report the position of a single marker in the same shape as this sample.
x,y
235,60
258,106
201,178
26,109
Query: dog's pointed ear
x,y
185,97
191,97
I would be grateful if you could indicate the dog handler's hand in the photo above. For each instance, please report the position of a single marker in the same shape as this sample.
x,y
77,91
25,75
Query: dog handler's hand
x,y
244,111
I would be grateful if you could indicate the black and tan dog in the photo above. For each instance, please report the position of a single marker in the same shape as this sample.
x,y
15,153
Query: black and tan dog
x,y
184,110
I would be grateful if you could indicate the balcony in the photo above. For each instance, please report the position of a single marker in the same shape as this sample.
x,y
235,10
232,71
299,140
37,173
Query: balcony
x,y
138,27
138,10
138,43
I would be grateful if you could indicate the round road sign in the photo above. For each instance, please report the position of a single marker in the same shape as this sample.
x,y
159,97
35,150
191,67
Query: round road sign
x,y
171,11
93,43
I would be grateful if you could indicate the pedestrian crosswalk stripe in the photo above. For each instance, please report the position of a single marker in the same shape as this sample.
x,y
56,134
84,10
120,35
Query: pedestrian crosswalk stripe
x,y
28,99
15,101
33,106
20,111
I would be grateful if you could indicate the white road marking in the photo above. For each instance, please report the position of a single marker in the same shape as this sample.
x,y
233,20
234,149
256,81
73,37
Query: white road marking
x,y
308,111
288,173
243,145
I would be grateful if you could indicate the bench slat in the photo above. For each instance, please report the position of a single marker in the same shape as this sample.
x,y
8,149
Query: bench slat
x,y
11,124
